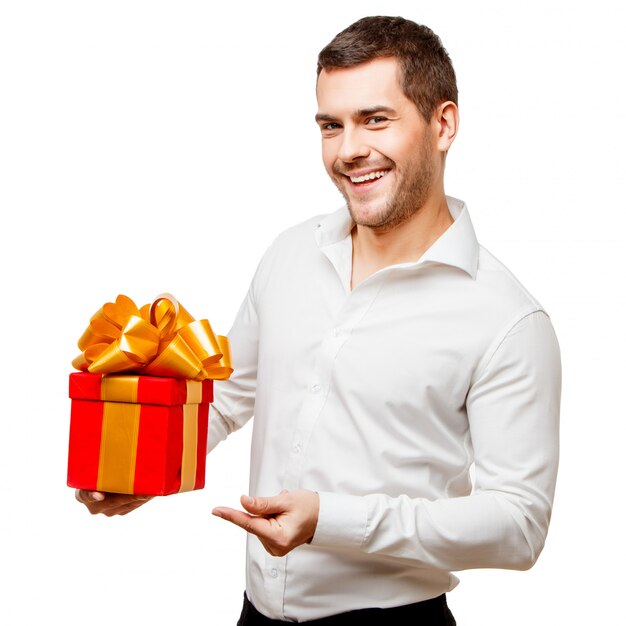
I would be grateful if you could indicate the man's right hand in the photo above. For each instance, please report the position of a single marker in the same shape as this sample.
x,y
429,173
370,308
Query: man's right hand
x,y
110,504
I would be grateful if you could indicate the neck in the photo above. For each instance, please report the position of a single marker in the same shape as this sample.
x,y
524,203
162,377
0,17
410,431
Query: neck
x,y
374,248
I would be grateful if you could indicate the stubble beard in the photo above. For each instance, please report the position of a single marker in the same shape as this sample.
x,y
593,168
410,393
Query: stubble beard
x,y
410,195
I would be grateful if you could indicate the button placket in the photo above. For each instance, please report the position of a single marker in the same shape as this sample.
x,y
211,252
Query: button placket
x,y
274,582
339,332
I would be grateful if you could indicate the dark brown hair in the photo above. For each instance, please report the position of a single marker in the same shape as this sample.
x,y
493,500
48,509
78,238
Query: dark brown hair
x,y
427,78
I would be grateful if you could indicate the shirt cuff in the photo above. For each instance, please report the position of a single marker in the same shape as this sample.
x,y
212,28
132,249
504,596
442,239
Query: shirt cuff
x,y
342,520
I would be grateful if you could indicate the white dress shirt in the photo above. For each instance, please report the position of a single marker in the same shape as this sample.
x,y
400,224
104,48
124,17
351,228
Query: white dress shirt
x,y
380,399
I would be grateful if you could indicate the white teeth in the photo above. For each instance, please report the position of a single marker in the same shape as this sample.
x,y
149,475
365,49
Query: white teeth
x,y
370,176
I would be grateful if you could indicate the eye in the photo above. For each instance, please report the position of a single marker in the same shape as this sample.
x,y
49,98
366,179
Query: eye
x,y
376,119
330,129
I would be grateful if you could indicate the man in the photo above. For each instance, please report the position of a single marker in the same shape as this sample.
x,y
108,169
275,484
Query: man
x,y
383,352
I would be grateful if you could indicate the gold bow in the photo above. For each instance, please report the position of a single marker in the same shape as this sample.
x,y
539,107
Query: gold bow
x,y
160,339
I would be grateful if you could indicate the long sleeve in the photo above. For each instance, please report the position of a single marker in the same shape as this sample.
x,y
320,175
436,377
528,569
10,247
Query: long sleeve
x,y
513,413
234,398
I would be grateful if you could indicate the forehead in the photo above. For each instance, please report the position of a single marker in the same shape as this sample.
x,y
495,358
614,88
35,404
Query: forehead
x,y
374,82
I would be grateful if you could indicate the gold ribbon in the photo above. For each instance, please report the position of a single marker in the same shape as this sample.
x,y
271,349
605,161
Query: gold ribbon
x,y
118,447
160,339
190,448
119,388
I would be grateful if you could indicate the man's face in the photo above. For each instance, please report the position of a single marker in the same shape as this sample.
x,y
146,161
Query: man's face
x,y
377,149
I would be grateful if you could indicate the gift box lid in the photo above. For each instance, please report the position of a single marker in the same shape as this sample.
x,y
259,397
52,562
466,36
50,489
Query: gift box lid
x,y
139,389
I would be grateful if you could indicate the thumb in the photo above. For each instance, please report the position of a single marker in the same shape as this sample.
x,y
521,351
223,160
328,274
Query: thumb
x,y
262,506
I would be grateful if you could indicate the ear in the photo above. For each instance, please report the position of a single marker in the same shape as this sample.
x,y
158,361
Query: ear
x,y
446,119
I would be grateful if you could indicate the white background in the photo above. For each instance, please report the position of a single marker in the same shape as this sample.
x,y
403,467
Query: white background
x,y
160,146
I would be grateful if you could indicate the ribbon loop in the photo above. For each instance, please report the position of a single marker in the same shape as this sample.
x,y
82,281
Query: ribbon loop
x,y
160,339
164,312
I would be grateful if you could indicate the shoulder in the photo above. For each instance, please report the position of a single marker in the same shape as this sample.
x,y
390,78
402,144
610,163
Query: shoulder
x,y
501,288
290,248
508,307
299,234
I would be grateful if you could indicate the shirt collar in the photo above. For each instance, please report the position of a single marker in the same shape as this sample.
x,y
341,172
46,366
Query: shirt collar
x,y
457,246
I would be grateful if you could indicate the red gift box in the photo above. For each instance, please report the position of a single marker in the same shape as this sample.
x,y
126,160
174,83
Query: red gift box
x,y
138,434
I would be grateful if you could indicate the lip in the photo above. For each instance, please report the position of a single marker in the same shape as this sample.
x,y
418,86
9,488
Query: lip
x,y
357,173
365,187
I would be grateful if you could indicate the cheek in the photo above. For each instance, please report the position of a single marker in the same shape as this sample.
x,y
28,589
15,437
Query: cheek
x,y
329,156
397,147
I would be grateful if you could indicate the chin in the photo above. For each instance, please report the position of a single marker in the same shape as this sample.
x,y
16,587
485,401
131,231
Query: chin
x,y
365,216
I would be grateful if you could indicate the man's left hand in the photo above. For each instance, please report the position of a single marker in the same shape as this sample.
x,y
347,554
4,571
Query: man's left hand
x,y
281,523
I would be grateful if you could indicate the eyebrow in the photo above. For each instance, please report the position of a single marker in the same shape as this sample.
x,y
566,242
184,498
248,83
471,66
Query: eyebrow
x,y
324,117
359,113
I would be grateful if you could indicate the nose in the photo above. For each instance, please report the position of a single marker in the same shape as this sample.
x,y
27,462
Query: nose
x,y
352,146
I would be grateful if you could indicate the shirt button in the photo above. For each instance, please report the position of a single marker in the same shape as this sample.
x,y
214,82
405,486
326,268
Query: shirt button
x,y
316,388
296,448
336,332
274,573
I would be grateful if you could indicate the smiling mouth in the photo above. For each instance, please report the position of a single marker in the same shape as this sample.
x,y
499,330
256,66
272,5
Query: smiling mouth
x,y
366,178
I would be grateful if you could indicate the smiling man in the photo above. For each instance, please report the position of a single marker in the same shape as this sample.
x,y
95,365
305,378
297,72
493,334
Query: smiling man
x,y
383,352
387,161
357,159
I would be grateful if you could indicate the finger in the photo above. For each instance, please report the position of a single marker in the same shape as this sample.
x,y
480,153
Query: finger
x,y
232,515
264,506
110,504
123,510
87,497
119,504
259,526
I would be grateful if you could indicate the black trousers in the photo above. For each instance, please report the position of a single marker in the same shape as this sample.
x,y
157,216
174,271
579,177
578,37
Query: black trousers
x,y
433,612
